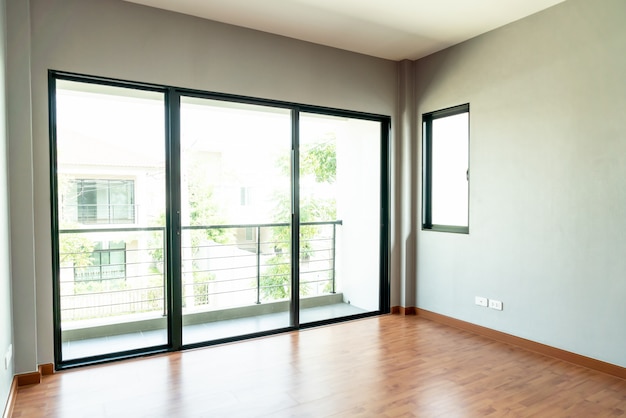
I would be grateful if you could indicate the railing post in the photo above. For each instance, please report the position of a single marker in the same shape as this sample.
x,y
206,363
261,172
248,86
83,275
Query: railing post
x,y
334,252
258,265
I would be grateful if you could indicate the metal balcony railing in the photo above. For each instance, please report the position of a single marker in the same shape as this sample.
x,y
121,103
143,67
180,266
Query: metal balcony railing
x,y
223,266
100,214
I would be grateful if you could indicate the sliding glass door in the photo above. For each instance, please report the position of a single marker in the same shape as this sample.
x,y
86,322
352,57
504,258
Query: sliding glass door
x,y
185,218
110,212
235,198
340,216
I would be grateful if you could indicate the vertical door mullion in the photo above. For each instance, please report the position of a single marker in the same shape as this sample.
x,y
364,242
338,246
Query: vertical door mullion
x,y
384,292
173,231
427,174
295,218
56,263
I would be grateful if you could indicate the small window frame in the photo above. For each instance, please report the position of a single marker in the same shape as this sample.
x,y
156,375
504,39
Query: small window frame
x,y
427,168
88,213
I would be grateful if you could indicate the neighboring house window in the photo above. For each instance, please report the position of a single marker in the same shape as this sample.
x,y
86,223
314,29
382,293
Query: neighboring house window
x,y
107,262
245,196
446,170
100,201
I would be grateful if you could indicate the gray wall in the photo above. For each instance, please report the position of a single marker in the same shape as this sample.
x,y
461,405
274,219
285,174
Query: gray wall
x,y
21,186
6,317
112,38
548,179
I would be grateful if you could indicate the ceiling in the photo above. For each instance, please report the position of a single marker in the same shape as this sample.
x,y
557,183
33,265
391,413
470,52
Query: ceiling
x,y
391,29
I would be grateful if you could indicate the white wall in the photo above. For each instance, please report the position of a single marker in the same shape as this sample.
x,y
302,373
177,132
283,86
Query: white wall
x,y
6,317
358,206
548,179
112,38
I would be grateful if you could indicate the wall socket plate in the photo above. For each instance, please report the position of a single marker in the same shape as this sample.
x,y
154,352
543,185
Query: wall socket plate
x,y
495,304
8,356
481,301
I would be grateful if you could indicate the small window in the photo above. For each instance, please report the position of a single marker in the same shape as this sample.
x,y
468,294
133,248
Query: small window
x,y
106,263
446,170
100,201
245,196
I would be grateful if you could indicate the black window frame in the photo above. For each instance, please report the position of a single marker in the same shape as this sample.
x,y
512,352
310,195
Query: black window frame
x,y
427,174
173,291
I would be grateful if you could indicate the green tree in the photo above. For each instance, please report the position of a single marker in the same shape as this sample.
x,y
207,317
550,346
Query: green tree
x,y
204,211
76,250
318,160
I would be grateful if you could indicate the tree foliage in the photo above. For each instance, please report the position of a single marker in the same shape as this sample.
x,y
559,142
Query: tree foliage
x,y
204,211
75,249
320,159
317,161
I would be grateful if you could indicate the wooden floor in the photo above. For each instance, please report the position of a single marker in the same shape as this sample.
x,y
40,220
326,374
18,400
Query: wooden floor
x,y
389,366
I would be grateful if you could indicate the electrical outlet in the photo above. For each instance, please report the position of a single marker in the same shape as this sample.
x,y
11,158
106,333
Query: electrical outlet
x,y
8,356
480,301
495,304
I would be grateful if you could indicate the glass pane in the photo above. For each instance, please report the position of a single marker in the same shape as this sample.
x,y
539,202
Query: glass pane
x,y
235,175
450,164
339,217
110,150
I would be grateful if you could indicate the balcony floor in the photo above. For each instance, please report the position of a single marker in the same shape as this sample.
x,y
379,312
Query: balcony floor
x,y
202,332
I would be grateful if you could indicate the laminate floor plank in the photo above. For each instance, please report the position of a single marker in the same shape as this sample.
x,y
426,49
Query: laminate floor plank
x,y
387,366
